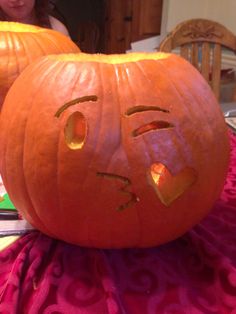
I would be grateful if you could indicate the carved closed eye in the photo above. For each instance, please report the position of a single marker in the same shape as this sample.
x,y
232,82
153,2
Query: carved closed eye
x,y
150,126
154,125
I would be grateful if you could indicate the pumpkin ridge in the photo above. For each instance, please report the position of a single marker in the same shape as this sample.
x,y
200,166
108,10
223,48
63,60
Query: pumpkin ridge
x,y
126,81
34,209
96,148
76,82
9,59
25,51
209,130
50,70
7,42
179,140
50,41
189,106
12,39
140,66
119,142
60,210
33,38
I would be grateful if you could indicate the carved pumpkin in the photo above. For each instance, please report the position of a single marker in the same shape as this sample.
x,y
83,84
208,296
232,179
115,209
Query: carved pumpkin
x,y
113,151
20,44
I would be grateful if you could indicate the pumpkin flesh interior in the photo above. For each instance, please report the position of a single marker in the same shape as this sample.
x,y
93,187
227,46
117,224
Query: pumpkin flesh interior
x,y
111,59
15,27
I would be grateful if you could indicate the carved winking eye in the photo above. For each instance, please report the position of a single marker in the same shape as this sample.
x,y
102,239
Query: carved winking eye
x,y
154,125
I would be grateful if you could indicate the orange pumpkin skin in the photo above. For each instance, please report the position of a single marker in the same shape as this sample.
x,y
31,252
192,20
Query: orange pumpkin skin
x,y
20,44
113,151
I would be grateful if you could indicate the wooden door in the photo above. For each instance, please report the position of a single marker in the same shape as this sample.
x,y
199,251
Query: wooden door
x,y
127,21
146,20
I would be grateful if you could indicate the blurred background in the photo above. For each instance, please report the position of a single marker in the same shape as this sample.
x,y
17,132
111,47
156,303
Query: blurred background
x,y
109,26
119,26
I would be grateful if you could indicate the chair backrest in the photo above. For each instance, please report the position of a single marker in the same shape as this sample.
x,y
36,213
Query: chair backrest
x,y
200,42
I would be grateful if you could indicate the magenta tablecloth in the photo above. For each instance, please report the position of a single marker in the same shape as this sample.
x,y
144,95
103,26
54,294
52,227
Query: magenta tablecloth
x,y
194,274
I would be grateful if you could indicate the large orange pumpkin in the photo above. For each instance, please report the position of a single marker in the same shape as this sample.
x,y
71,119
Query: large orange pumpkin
x,y
20,44
113,151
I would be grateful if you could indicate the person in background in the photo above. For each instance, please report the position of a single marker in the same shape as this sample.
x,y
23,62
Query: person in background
x,y
35,12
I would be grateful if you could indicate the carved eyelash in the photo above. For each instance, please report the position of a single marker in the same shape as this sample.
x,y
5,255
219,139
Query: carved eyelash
x,y
74,102
137,109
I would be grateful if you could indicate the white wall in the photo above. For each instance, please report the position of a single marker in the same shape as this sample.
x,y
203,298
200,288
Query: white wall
x,y
176,11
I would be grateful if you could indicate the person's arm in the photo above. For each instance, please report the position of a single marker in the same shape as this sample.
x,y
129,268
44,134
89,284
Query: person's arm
x,y
58,26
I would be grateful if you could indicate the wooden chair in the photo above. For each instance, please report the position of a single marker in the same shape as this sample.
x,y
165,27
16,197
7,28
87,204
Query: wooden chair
x,y
200,42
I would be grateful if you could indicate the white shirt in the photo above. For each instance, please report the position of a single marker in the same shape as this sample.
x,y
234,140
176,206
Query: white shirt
x,y
58,26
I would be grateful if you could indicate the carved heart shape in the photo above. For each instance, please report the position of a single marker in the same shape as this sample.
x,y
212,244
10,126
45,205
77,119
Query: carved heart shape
x,y
167,186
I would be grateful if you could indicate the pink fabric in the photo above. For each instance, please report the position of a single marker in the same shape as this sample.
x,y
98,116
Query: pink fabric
x,y
194,274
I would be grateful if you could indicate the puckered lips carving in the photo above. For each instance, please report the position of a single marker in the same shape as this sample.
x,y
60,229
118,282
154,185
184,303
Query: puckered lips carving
x,y
167,186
